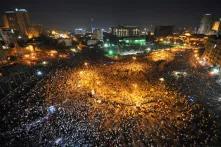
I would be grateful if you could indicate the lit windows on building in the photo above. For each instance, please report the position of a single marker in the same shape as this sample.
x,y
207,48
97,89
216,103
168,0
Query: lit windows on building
x,y
126,31
17,20
213,51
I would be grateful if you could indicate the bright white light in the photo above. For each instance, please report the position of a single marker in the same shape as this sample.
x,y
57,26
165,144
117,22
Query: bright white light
x,y
51,109
39,73
178,74
74,50
58,141
99,101
92,92
131,52
215,71
79,29
86,64
148,49
106,45
4,47
161,79
44,62
215,46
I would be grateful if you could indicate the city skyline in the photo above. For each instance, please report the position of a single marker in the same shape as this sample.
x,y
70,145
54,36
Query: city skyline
x,y
69,14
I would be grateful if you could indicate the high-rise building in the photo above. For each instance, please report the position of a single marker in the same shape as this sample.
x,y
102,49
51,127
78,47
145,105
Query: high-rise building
x,y
126,31
79,31
217,27
213,51
17,20
90,27
98,34
1,38
206,24
7,36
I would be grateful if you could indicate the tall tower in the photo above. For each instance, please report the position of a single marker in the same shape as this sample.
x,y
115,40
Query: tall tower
x,y
17,20
92,24
206,24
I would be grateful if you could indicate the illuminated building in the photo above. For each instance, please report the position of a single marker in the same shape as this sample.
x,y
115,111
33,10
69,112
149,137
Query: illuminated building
x,y
65,41
163,31
92,42
97,34
1,39
35,31
7,35
217,27
206,24
1,35
125,40
126,46
79,31
133,41
59,34
213,51
197,40
17,20
126,31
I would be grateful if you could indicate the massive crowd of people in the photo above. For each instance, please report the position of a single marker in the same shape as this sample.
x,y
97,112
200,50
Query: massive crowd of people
x,y
110,105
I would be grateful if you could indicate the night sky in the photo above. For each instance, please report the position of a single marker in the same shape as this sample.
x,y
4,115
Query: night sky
x,y
67,14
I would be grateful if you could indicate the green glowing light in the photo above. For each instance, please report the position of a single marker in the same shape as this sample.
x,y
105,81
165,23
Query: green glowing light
x,y
110,52
134,41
